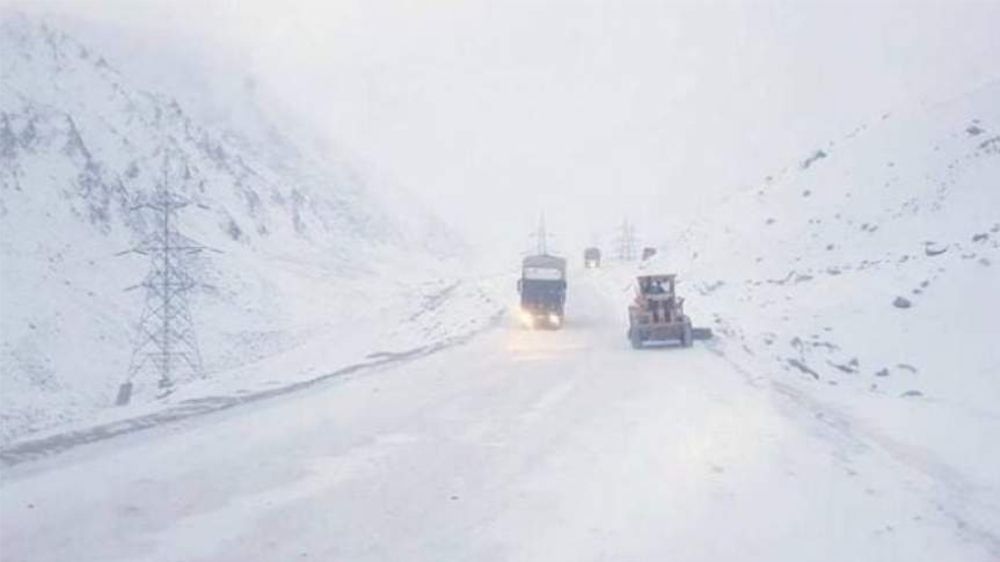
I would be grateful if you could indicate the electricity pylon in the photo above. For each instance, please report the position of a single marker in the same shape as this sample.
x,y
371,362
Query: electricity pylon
x,y
541,237
626,242
166,345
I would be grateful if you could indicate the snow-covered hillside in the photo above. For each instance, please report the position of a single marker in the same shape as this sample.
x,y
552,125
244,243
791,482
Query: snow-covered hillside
x,y
306,250
882,247
864,279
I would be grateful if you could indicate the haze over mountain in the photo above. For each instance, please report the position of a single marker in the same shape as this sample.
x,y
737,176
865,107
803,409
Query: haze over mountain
x,y
495,113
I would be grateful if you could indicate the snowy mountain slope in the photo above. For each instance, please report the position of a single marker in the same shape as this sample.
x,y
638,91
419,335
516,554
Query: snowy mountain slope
x,y
863,282
304,244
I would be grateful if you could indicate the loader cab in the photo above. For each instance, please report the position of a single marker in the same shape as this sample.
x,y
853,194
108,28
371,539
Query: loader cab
x,y
660,286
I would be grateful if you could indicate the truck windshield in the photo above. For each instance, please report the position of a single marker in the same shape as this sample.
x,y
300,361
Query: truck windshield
x,y
542,273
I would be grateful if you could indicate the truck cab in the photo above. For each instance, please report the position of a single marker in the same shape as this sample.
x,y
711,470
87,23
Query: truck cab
x,y
543,291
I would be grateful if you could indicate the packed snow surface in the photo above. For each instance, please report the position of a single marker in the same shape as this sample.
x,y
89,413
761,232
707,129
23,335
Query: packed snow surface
x,y
521,445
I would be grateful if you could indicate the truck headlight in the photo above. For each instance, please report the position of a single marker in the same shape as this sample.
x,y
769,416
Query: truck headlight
x,y
527,319
554,319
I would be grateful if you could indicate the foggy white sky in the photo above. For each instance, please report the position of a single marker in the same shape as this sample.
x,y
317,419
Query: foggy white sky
x,y
494,111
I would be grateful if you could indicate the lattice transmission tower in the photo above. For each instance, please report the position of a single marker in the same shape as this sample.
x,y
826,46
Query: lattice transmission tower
x,y
166,345
626,241
541,237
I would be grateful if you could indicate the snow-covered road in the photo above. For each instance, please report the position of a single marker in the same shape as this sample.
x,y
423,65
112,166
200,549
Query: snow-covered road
x,y
520,445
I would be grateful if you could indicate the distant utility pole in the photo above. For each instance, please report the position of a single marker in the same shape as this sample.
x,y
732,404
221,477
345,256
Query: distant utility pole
x,y
166,345
626,241
541,237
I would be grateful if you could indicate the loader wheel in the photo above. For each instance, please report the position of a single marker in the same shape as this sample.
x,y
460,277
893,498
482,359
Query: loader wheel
x,y
635,339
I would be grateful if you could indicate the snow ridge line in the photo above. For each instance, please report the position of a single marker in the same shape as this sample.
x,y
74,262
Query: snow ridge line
x,y
34,449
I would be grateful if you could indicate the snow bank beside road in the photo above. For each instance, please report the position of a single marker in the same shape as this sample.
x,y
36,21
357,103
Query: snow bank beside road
x,y
863,284
438,316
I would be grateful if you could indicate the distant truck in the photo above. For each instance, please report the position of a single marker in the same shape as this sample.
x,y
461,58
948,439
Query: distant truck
x,y
591,258
543,291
